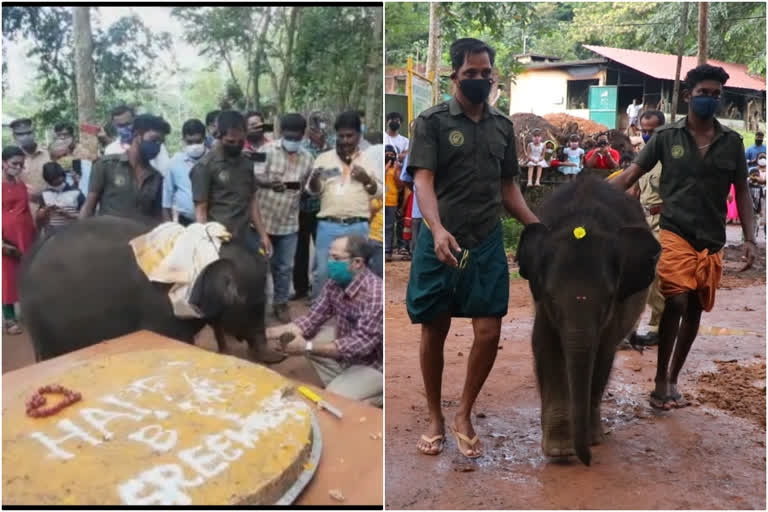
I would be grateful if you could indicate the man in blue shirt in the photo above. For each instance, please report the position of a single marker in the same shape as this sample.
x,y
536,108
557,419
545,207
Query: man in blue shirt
x,y
177,187
754,150
415,212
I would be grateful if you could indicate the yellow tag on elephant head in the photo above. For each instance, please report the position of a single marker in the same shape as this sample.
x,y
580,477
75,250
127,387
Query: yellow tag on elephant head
x,y
579,232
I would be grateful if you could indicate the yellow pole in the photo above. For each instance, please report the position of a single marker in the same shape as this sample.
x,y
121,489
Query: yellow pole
x,y
409,88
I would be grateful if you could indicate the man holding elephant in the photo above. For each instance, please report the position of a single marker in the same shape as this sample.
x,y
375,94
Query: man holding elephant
x,y
465,168
700,160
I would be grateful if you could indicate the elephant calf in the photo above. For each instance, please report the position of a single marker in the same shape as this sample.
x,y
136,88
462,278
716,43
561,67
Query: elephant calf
x,y
589,263
82,286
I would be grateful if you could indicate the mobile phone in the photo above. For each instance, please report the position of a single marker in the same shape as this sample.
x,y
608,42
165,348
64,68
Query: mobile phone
x,y
77,166
257,157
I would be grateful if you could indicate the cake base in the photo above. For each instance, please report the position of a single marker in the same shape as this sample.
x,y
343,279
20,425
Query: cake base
x,y
162,427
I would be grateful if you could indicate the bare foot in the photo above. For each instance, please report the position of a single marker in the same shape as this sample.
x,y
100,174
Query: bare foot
x,y
467,439
431,443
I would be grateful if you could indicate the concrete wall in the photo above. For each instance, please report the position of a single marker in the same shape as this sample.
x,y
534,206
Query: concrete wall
x,y
544,91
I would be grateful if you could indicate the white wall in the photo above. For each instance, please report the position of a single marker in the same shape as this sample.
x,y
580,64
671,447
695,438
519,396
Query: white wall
x,y
544,91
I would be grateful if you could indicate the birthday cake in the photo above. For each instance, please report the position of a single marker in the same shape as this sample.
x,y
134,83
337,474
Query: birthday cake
x,y
156,427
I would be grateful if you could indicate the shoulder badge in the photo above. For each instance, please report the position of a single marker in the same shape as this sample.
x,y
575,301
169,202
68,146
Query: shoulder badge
x,y
456,138
677,151
120,180
224,176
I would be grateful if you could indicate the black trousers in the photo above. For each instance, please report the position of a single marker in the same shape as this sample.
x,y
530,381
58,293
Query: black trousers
x,y
307,230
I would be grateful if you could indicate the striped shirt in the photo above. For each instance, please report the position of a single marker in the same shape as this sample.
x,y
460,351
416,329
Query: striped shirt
x,y
68,203
280,210
358,311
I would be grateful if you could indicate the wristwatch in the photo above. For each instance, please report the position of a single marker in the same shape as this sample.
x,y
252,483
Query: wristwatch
x,y
308,347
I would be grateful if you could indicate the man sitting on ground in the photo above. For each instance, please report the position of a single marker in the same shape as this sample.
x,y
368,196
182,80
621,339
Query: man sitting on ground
x,y
348,359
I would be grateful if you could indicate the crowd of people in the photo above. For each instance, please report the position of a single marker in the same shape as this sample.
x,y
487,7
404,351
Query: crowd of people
x,y
319,181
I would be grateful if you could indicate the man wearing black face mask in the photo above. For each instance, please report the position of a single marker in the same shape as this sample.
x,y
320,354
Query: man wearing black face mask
x,y
465,166
393,137
700,160
34,159
224,186
126,184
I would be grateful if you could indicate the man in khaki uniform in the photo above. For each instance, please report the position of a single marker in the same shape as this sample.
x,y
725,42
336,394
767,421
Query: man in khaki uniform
x,y
650,199
465,167
701,158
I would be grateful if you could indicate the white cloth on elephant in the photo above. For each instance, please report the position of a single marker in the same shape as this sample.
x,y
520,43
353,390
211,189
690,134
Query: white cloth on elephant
x,y
171,253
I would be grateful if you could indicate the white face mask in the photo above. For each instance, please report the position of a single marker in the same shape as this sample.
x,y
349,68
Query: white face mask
x,y
761,162
196,150
291,146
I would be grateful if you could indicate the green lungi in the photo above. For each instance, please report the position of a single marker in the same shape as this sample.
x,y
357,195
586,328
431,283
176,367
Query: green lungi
x,y
478,288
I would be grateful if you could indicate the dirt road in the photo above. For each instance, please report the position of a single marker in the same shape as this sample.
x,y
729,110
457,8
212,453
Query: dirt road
x,y
707,456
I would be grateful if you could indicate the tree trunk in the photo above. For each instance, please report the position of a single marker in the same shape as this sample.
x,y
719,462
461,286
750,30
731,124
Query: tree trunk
x,y
680,49
434,50
373,92
259,59
86,92
291,37
702,55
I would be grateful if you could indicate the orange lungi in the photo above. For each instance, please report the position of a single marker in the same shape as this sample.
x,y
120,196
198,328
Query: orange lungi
x,y
683,269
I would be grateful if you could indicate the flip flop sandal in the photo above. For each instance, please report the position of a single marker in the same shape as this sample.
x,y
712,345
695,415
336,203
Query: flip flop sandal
x,y
431,440
659,402
471,442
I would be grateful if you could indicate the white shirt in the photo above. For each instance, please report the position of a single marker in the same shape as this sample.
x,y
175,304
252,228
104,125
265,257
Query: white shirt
x,y
634,110
160,163
399,142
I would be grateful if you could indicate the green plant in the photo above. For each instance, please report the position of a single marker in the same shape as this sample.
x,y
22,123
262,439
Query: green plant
x,y
511,229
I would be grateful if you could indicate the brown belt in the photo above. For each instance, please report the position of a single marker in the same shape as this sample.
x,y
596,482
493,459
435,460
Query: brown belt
x,y
655,210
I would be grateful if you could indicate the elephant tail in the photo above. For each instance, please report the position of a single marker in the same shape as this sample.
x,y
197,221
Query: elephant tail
x,y
579,363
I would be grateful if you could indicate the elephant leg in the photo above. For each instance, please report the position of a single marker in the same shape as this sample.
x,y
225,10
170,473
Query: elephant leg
x,y
221,339
556,440
602,371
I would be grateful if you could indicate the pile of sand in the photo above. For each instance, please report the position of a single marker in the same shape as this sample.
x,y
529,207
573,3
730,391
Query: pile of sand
x,y
736,389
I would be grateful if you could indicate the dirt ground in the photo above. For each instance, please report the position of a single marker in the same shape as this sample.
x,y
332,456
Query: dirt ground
x,y
707,456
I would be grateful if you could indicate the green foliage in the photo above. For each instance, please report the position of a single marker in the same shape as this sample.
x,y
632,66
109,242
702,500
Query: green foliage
x,y
122,56
737,29
512,229
331,53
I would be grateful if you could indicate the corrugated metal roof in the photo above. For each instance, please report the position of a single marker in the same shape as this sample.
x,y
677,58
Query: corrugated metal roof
x,y
662,66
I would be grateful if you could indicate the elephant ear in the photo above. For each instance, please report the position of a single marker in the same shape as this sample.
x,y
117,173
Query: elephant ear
x,y
216,288
529,258
639,252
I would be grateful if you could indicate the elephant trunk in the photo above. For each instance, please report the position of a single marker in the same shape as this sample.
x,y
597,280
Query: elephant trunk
x,y
579,349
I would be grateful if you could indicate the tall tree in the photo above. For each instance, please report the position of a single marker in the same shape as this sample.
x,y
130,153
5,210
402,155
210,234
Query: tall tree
x,y
701,56
84,76
123,54
681,48
373,91
435,50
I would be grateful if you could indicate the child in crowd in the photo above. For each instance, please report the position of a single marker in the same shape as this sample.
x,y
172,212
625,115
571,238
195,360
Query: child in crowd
x,y
18,232
60,202
535,156
392,188
574,158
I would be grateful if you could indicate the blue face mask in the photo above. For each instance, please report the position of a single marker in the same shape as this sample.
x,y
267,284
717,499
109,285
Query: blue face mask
x,y
149,149
291,146
339,272
704,106
647,137
125,133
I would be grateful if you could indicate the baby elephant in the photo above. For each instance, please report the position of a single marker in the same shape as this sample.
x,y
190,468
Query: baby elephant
x,y
589,264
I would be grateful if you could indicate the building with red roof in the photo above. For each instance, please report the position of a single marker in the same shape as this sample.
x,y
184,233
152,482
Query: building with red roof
x,y
602,87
